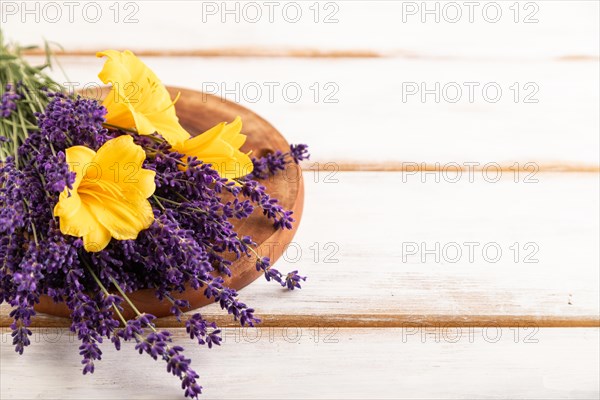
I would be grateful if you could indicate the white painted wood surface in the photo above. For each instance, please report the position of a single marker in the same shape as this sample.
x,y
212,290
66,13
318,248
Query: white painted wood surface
x,y
344,364
563,28
371,123
559,214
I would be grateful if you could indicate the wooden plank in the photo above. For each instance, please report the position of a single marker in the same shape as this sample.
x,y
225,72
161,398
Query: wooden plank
x,y
325,364
543,29
355,240
363,118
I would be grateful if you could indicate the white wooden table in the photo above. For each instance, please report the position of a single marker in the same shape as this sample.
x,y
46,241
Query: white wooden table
x,y
390,309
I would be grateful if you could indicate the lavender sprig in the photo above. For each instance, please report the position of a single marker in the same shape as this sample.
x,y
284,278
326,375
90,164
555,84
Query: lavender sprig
x,y
272,163
205,332
291,280
155,343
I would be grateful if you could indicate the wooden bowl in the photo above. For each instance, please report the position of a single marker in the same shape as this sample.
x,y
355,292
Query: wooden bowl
x,y
198,112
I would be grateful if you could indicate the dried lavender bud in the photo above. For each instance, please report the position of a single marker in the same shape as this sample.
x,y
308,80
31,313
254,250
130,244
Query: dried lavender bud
x,y
299,152
8,101
272,163
292,280
205,332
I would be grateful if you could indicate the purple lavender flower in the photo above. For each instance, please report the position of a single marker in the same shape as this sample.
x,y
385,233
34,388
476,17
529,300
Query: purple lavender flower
x,y
299,152
205,332
272,163
8,101
292,280
68,121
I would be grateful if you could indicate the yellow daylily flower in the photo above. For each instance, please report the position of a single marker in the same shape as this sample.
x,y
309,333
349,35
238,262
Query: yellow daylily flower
x,y
220,146
109,196
138,100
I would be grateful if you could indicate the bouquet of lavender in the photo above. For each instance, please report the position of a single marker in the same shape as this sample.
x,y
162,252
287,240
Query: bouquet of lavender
x,y
99,200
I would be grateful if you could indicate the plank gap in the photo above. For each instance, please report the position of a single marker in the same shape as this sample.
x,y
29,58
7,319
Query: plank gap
x,y
361,321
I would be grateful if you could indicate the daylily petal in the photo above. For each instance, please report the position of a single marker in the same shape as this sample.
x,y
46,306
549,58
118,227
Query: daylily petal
x,y
239,166
78,158
133,80
219,146
118,111
115,69
196,144
232,135
138,99
167,126
123,218
97,239
121,162
78,223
